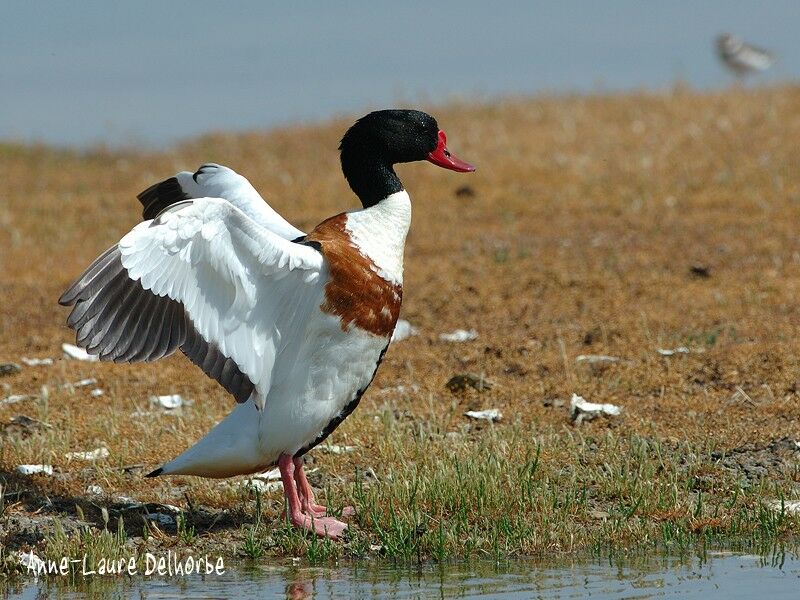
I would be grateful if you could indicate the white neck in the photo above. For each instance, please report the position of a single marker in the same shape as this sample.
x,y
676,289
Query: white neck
x,y
380,232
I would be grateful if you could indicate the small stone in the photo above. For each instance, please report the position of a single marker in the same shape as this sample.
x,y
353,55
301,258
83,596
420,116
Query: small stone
x,y
673,351
582,410
90,455
700,271
553,402
14,398
76,353
401,389
271,475
81,383
334,449
259,485
161,519
791,507
37,362
35,469
594,359
464,191
461,381
596,363
515,369
459,335
403,330
23,426
491,414
369,474
9,369
168,402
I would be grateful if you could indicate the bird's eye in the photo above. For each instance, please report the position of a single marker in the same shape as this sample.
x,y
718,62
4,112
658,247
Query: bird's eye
x,y
447,153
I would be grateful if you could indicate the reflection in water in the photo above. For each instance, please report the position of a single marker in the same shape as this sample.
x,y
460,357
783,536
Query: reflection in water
x,y
714,575
300,589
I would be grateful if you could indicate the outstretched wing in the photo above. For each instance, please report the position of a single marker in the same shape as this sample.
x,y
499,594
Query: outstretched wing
x,y
215,181
205,278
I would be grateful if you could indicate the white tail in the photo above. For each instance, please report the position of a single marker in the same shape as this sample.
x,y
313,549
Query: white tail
x,y
231,448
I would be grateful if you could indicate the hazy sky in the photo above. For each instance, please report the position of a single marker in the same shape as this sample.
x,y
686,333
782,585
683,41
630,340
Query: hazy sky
x,y
153,72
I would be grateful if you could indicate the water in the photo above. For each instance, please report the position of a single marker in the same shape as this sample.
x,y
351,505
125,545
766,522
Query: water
x,y
716,575
151,72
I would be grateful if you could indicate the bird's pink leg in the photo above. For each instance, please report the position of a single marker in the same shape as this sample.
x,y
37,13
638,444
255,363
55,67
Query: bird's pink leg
x,y
322,526
306,493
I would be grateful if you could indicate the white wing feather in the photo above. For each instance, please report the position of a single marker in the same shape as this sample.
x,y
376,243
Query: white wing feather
x,y
217,181
245,288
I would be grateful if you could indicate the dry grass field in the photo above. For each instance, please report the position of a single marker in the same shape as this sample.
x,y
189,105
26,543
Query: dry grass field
x,y
604,225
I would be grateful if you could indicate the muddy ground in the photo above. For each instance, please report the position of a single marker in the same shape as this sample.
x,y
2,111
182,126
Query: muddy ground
x,y
608,225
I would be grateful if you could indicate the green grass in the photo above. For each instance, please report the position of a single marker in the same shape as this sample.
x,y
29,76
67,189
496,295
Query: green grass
x,y
500,491
253,547
186,532
95,545
505,491
9,564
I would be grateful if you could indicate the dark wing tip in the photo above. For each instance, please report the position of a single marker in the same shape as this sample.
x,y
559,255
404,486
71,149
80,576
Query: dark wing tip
x,y
64,299
161,195
118,320
155,473
100,265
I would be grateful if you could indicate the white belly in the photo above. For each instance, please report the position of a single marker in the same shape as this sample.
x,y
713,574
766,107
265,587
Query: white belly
x,y
314,388
336,368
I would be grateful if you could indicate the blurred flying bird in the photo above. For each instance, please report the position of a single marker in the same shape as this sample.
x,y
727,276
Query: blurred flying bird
x,y
740,57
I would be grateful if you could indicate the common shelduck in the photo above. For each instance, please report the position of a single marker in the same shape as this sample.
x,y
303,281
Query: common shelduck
x,y
293,325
